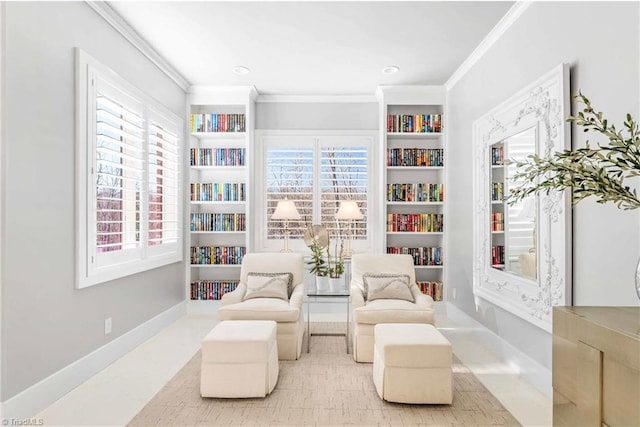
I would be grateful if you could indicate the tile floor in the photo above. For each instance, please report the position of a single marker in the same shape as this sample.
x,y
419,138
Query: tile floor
x,y
116,394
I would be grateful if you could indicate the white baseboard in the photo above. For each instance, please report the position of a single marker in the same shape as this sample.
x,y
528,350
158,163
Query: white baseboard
x,y
530,370
31,401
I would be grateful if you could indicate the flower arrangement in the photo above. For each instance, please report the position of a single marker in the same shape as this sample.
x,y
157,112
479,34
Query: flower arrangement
x,y
317,239
598,172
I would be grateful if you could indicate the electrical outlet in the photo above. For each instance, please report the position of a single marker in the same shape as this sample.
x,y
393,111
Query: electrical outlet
x,y
107,326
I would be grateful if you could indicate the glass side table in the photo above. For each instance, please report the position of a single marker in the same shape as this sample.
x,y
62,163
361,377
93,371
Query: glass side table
x,y
313,296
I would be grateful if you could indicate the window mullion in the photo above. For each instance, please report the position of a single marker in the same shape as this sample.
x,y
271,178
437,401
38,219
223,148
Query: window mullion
x,y
144,191
317,189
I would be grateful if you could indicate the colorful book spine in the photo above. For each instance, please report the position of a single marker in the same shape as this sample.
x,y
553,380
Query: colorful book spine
x,y
218,192
497,194
415,223
414,123
206,221
497,255
217,123
211,289
415,192
217,157
217,255
424,256
428,157
497,155
433,289
497,221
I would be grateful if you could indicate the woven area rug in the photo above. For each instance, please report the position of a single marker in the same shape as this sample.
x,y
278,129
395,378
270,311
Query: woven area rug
x,y
325,387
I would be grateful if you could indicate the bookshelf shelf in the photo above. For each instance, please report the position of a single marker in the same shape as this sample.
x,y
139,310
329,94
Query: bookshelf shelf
x,y
415,135
217,232
215,202
416,203
414,162
219,135
415,233
215,265
220,168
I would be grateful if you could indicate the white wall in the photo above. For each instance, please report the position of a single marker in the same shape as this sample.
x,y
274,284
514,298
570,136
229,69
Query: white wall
x,y
317,115
47,323
600,42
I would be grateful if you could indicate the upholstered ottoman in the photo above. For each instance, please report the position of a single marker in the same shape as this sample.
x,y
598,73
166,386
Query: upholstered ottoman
x,y
412,363
239,359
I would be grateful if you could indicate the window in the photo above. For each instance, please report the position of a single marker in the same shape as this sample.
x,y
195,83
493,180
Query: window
x,y
316,172
128,178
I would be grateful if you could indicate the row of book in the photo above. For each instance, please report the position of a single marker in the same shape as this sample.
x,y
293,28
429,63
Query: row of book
x,y
414,123
211,289
217,123
497,255
217,157
497,155
415,192
421,256
497,221
433,289
218,191
497,191
217,255
206,221
415,157
416,223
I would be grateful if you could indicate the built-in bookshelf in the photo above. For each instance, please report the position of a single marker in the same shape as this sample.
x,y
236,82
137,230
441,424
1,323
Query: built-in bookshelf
x,y
498,208
414,165
221,124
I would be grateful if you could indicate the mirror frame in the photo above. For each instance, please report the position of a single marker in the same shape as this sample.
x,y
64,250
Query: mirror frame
x,y
544,104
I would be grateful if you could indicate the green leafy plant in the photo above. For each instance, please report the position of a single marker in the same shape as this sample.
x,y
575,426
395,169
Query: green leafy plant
x,y
600,172
317,239
318,265
337,269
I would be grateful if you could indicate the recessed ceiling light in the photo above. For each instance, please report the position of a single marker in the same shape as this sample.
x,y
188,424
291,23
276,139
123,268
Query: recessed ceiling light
x,y
391,69
240,70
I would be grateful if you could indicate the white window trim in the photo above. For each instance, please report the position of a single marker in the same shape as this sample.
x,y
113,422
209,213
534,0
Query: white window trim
x,y
262,244
88,273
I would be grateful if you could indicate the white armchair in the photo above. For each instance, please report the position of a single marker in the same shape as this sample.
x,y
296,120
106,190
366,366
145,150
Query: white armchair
x,y
287,314
366,314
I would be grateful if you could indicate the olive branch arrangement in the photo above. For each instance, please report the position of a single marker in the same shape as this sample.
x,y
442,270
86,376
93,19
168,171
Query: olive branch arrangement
x,y
598,172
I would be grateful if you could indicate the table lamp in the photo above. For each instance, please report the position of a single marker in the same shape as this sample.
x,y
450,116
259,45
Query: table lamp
x,y
348,211
286,210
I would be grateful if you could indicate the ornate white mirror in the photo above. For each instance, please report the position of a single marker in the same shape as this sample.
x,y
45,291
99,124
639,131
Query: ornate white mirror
x,y
522,250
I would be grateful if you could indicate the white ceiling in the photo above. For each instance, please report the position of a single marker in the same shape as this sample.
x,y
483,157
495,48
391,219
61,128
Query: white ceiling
x,y
307,47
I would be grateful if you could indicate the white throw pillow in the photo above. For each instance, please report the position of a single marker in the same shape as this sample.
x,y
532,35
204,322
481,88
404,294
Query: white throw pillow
x,y
268,285
387,286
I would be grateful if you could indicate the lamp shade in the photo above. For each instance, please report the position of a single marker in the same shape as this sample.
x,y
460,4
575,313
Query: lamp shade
x,y
286,209
349,210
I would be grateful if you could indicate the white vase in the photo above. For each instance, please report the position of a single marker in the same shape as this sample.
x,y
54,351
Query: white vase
x,y
322,283
336,284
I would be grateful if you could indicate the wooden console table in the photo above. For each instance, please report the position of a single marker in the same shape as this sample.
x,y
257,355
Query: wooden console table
x,y
596,366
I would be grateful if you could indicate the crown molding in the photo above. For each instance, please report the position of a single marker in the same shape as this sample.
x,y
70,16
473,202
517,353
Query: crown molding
x,y
490,39
120,25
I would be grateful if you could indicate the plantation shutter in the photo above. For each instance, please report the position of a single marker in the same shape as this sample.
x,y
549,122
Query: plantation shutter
x,y
289,175
343,176
163,182
118,170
